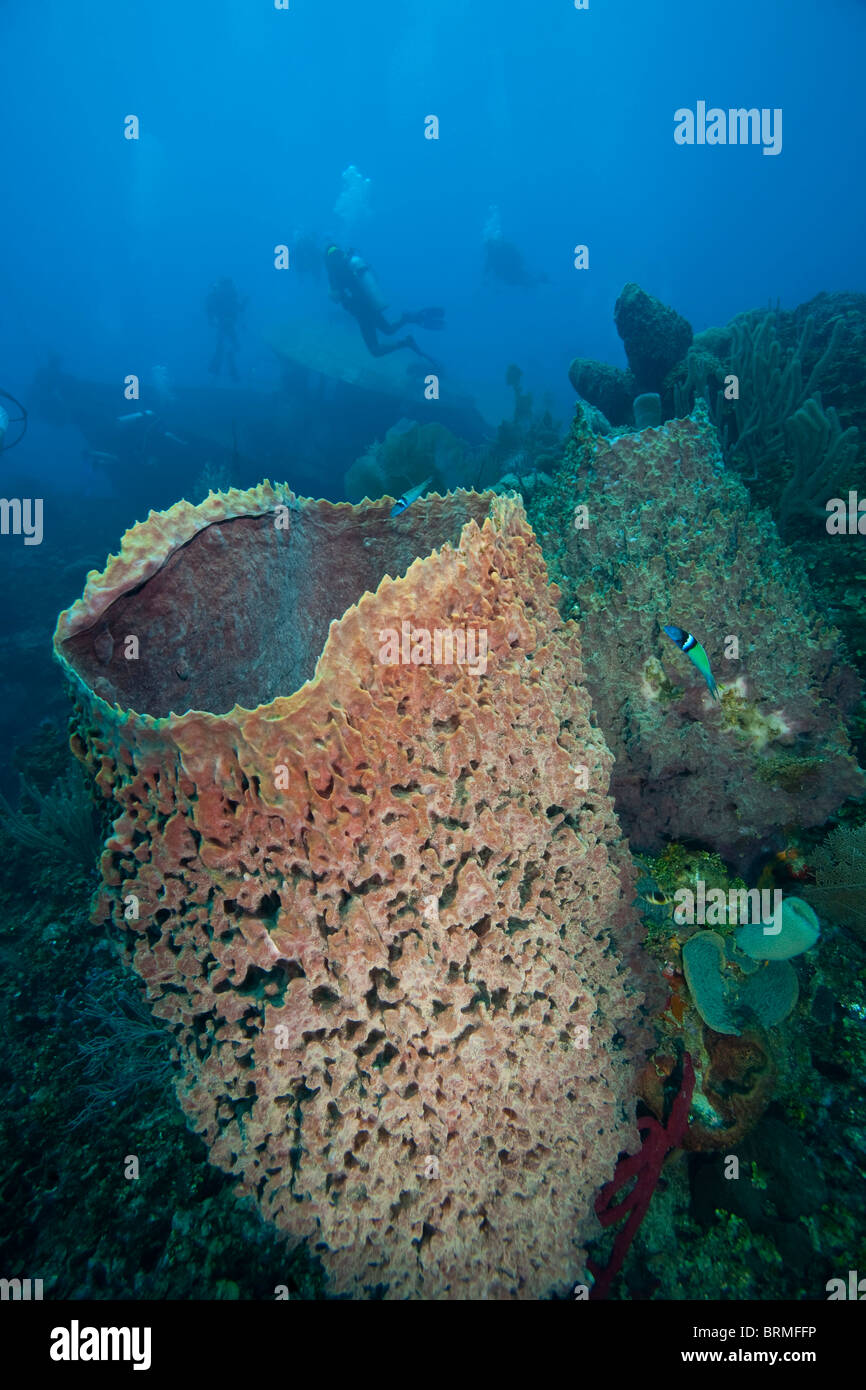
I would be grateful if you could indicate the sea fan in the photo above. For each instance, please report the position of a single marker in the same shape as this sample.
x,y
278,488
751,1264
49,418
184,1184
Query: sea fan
x,y
839,891
64,823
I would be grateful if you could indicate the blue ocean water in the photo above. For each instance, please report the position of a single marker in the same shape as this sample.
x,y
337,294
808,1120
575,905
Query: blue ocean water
x,y
561,118
176,173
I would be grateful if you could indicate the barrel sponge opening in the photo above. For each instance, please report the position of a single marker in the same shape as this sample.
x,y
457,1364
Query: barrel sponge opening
x,y
237,611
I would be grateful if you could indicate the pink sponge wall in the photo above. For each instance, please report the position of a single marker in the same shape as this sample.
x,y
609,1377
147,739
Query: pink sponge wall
x,y
383,909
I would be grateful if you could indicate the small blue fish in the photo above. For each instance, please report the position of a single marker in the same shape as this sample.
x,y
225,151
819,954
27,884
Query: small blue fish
x,y
409,497
693,649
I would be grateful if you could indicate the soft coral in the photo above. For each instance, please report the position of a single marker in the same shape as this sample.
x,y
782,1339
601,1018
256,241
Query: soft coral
x,y
645,1166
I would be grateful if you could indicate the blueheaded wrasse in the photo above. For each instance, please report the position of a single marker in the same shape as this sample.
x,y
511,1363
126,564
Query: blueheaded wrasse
x,y
656,897
409,497
696,654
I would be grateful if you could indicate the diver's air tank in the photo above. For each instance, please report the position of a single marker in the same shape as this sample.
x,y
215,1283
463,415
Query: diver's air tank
x,y
368,281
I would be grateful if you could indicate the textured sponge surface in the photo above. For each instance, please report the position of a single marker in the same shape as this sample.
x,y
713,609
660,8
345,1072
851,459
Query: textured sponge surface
x,y
385,914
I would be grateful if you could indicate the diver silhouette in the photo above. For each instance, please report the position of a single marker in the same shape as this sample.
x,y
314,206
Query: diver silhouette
x,y
224,309
352,285
503,259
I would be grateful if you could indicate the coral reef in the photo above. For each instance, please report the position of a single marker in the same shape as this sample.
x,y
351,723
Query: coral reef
x,y
528,443
65,821
832,351
782,1183
789,426
383,909
794,930
722,1003
839,890
725,985
609,388
661,1135
734,1078
823,462
179,1233
668,536
704,967
787,393
124,1053
407,454
647,410
655,337
737,1078
82,1082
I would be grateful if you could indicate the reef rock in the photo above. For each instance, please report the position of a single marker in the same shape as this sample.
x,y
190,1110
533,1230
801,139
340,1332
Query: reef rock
x,y
668,536
655,337
382,902
609,388
408,453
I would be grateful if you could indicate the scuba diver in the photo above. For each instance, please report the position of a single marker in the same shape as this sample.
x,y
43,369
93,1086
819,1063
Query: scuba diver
x,y
224,309
353,285
6,421
503,259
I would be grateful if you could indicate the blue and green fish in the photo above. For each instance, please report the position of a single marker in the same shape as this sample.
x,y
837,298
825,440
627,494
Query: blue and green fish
x,y
696,654
409,497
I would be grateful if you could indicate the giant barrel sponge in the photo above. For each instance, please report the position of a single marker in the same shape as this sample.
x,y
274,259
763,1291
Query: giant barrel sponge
x,y
382,904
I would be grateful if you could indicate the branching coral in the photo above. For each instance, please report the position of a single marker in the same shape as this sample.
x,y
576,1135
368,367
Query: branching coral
x,y
642,1171
775,428
823,456
771,389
